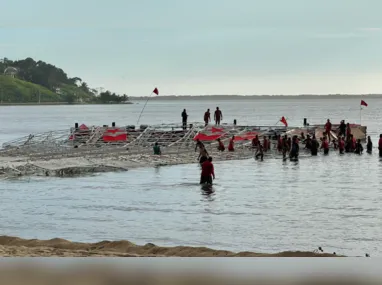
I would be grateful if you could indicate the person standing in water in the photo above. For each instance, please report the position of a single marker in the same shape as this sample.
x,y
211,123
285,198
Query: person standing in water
x,y
308,142
348,131
325,146
341,145
295,149
380,145
314,147
342,128
259,152
207,117
184,119
218,116
285,146
255,142
358,147
279,143
156,149
221,145
369,145
231,144
328,129
208,172
265,144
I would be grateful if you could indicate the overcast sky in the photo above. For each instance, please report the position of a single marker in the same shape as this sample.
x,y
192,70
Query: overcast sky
x,y
203,46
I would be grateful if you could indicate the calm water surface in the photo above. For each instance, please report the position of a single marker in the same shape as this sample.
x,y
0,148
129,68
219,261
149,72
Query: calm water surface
x,y
333,201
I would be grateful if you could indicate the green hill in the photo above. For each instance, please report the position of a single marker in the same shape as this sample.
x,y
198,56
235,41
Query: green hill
x,y
13,90
30,81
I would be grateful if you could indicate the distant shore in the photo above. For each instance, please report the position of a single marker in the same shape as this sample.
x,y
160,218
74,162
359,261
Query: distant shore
x,y
59,103
14,246
255,97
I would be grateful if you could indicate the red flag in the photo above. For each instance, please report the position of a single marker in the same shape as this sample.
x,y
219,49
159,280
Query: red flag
x,y
363,103
284,121
156,91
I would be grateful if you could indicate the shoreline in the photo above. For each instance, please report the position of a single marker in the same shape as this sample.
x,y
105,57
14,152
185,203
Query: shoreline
x,y
18,247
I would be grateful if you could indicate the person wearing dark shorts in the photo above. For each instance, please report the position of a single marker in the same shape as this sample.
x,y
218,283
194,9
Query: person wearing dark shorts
x,y
218,116
184,119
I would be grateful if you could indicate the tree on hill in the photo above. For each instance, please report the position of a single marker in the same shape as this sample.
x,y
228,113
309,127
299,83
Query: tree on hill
x,y
57,81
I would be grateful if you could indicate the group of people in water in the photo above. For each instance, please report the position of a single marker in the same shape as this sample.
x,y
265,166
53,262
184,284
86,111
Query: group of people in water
x,y
290,146
287,146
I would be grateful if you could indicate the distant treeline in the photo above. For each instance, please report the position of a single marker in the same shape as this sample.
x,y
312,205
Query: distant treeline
x,y
47,82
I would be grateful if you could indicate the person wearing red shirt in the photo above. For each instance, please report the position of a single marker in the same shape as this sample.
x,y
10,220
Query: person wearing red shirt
x,y
265,144
231,144
279,143
328,128
208,172
207,117
380,145
325,145
255,141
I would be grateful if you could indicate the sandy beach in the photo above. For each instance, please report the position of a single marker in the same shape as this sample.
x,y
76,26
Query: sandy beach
x,y
14,246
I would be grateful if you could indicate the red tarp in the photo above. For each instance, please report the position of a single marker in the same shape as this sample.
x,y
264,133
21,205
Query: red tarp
x,y
216,130
114,135
83,127
246,136
204,137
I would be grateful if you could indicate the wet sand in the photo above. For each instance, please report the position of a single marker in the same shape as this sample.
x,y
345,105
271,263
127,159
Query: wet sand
x,y
13,246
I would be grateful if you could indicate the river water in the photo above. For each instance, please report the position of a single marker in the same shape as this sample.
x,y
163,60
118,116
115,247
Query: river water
x,y
269,206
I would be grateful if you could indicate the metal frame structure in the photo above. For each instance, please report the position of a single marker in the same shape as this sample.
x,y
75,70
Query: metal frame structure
x,y
171,138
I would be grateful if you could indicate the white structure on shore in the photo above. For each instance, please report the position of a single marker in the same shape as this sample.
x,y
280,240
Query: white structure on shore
x,y
11,71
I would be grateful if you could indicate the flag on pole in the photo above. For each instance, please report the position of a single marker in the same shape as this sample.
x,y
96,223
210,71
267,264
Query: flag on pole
x,y
284,121
363,103
156,91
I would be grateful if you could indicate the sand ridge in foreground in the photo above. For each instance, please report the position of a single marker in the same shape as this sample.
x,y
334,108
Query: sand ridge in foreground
x,y
14,246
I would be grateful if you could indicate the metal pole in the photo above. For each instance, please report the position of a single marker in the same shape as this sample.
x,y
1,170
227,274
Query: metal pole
x,y
144,107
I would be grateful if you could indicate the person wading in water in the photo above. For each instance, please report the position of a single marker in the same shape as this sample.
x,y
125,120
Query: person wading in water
x,y
358,147
208,172
314,147
231,144
221,146
184,119
341,145
207,117
369,146
325,146
342,128
295,149
218,116
380,145
259,152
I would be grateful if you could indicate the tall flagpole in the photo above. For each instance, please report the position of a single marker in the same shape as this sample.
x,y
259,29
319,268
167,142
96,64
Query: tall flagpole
x,y
360,114
144,106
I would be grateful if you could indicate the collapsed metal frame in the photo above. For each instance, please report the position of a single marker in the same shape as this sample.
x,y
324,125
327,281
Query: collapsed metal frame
x,y
171,137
